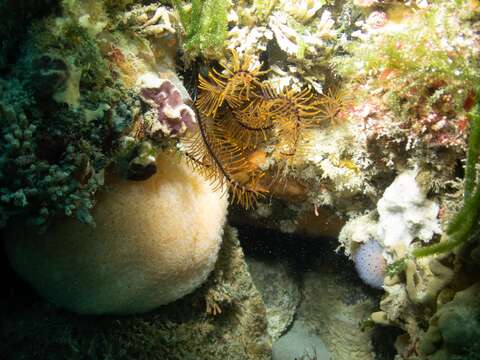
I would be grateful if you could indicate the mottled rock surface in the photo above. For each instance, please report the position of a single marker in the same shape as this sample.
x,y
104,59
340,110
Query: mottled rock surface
x,y
224,319
331,319
280,291
300,343
334,305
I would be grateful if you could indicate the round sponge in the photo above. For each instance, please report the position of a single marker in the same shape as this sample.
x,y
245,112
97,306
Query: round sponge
x,y
370,263
154,242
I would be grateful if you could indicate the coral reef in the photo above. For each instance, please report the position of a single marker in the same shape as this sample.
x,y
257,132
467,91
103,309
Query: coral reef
x,y
300,37
70,107
14,28
53,154
231,147
454,329
65,104
139,255
464,223
359,115
428,84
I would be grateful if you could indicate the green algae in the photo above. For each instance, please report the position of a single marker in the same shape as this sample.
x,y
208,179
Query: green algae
x,y
205,26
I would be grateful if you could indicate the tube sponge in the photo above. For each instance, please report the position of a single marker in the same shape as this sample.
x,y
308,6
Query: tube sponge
x,y
370,263
154,242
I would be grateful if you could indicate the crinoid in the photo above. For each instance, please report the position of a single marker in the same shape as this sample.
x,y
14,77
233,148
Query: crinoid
x,y
233,85
333,105
239,115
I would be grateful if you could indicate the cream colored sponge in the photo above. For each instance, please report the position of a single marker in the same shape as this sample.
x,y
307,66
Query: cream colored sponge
x,y
154,242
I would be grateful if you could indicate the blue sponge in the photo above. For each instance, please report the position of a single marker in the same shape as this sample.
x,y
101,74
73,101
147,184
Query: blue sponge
x,y
370,263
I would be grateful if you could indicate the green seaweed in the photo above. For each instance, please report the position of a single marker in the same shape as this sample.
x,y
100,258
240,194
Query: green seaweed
x,y
205,26
473,151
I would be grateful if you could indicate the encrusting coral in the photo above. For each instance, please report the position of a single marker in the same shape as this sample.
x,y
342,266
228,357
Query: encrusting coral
x,y
174,118
153,243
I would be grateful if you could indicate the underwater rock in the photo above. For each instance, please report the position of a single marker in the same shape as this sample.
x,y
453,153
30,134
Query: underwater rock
x,y
153,243
333,307
34,329
293,217
280,293
300,343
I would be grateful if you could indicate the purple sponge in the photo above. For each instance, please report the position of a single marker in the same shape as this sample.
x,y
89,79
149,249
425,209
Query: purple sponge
x,y
370,263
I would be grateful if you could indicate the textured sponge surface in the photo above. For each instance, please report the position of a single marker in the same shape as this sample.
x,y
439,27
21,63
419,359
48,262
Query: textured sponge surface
x,y
370,263
154,242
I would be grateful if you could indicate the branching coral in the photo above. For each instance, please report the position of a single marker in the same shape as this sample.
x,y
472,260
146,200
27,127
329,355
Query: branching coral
x,y
41,176
239,116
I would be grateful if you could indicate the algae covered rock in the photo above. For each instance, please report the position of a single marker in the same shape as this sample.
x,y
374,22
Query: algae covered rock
x,y
152,244
455,328
333,308
178,331
280,291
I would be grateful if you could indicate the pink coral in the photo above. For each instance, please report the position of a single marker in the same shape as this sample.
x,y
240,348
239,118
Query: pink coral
x,y
174,118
